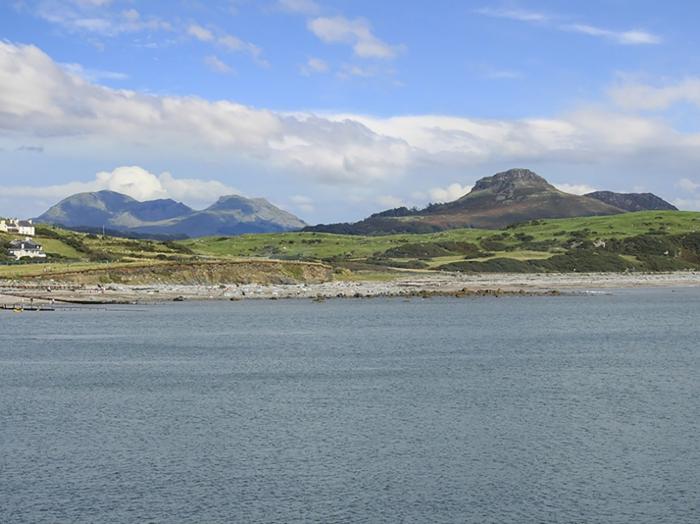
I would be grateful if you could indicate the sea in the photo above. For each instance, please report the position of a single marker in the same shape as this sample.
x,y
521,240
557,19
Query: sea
x,y
562,409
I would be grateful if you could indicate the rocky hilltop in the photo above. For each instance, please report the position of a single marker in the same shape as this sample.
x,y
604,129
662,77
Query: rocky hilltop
x,y
509,197
230,215
633,201
508,181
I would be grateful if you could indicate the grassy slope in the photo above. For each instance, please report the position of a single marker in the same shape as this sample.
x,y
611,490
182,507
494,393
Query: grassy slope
x,y
70,251
542,239
325,246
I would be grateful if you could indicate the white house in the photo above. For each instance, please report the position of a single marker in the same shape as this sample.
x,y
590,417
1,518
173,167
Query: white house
x,y
18,227
26,248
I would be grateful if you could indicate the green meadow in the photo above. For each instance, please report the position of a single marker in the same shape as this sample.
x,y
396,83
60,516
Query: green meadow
x,y
651,241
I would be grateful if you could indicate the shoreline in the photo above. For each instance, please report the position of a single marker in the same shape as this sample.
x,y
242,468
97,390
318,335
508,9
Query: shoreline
x,y
407,285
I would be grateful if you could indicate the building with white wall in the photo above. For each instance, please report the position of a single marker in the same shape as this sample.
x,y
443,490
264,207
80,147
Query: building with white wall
x,y
18,227
26,248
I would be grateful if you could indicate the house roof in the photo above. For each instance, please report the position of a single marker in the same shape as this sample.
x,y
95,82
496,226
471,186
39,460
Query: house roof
x,y
24,244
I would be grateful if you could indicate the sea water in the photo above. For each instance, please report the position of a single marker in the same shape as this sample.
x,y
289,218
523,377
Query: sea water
x,y
520,409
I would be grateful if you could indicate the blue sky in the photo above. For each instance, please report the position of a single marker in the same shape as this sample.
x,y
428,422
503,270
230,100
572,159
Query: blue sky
x,y
335,109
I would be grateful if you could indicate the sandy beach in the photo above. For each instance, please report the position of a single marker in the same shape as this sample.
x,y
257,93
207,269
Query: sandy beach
x,y
412,284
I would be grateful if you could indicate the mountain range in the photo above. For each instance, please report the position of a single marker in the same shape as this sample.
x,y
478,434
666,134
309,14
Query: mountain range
x,y
510,197
497,201
633,201
230,215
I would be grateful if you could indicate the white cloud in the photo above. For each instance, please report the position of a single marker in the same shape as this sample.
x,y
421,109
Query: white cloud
x,y
134,181
227,42
514,14
576,189
313,65
217,65
42,102
629,37
200,33
357,33
233,43
448,193
94,75
84,18
633,37
306,7
645,97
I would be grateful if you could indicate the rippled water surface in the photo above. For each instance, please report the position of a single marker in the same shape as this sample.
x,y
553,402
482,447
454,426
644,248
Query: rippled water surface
x,y
558,409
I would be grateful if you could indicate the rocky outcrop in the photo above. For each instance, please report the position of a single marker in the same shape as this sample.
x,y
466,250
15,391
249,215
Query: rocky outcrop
x,y
633,201
510,197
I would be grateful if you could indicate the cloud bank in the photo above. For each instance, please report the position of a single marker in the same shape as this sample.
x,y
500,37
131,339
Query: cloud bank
x,y
134,181
43,102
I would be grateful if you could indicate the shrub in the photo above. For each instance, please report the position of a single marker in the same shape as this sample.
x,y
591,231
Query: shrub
x,y
433,249
493,245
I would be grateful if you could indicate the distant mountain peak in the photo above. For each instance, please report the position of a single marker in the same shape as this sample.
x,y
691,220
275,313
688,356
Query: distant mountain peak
x,y
232,202
511,179
496,201
230,215
633,201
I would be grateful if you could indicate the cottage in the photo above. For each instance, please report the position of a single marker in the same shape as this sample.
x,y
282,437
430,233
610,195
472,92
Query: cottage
x,y
26,248
18,227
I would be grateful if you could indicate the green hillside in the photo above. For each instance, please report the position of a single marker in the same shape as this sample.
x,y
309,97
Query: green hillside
x,y
643,241
535,240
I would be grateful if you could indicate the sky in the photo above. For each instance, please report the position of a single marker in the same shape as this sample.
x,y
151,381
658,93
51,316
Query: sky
x,y
337,109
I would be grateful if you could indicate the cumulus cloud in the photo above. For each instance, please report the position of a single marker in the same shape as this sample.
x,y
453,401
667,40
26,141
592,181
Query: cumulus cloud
x,y
41,101
448,193
576,189
134,181
357,33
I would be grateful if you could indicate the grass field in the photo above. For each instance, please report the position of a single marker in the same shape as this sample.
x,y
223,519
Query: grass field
x,y
36,270
646,241
326,246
